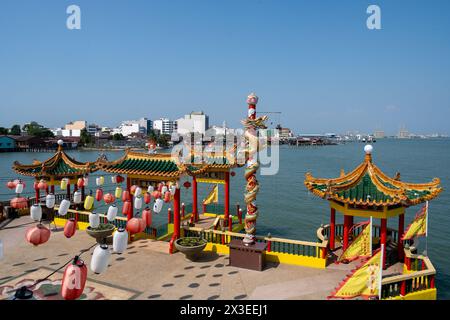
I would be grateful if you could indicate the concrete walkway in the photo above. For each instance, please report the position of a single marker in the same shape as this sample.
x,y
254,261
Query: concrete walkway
x,y
147,271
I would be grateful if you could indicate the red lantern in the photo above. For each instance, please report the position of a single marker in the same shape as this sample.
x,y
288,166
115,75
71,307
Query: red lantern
x,y
135,225
42,185
147,198
99,194
109,198
160,185
80,183
133,189
74,280
37,235
10,185
167,196
147,217
187,184
156,194
119,179
70,227
126,209
19,203
126,196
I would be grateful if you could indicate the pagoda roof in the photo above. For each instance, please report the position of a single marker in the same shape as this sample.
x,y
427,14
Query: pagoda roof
x,y
367,185
60,165
136,163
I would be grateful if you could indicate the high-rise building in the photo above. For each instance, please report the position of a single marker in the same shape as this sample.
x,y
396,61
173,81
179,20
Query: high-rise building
x,y
165,126
196,121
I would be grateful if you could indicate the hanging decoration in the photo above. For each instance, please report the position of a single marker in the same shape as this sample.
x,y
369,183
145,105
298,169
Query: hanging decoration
x,y
120,240
99,194
147,216
42,185
64,183
120,179
113,179
80,183
64,207
19,203
94,220
50,201
89,202
135,225
156,194
150,189
74,279
77,197
37,235
126,209
70,227
86,181
99,181
19,187
147,198
118,192
109,198
126,196
167,196
112,213
10,185
138,203
36,212
100,259
187,184
157,207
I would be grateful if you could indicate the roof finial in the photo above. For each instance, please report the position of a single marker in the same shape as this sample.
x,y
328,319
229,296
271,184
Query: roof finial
x,y
368,150
60,145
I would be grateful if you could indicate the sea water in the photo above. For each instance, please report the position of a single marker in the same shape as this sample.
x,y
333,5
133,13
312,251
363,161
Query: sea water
x,y
287,209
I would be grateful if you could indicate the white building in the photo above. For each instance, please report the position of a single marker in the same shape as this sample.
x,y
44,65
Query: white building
x,y
194,122
127,128
165,126
60,132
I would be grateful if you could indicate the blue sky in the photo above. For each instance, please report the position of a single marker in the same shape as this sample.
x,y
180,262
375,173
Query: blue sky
x,y
315,61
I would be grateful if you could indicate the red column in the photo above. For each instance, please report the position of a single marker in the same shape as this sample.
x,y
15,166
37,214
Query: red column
x,y
130,215
176,214
227,198
37,194
347,226
194,199
401,227
332,228
383,237
68,190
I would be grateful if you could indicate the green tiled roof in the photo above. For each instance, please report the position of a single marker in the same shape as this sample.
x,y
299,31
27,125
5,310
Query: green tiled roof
x,y
364,190
146,165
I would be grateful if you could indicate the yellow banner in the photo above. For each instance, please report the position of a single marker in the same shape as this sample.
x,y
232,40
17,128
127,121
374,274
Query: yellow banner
x,y
363,282
418,227
360,247
213,196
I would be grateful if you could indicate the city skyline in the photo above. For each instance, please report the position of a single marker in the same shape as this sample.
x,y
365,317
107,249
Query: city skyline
x,y
318,65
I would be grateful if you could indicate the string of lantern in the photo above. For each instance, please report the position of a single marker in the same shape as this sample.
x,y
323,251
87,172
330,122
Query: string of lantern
x,y
76,272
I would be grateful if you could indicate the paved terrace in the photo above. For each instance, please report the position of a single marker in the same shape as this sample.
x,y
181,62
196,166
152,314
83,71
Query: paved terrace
x,y
147,271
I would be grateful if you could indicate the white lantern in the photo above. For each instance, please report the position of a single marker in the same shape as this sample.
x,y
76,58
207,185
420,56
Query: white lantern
x,y
157,207
86,181
112,213
138,203
77,197
114,179
94,220
36,212
137,192
150,189
64,207
50,201
173,189
120,240
100,259
164,190
19,188
99,181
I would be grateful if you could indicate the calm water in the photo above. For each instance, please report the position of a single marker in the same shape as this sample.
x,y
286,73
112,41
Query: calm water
x,y
288,210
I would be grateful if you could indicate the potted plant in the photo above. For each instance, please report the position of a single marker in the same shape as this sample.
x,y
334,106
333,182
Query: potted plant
x,y
102,233
191,247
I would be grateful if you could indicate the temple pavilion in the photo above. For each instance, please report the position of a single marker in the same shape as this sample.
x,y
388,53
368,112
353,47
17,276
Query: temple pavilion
x,y
53,170
368,192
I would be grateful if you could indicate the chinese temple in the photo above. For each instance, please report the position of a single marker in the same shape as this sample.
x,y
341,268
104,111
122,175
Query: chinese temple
x,y
368,192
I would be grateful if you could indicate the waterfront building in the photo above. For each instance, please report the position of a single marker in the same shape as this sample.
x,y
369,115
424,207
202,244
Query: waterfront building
x,y
379,134
195,122
7,143
165,126
76,125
